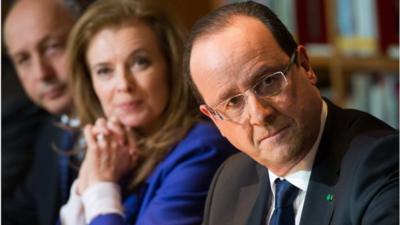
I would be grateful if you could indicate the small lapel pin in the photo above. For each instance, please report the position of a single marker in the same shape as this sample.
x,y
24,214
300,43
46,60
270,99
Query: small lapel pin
x,y
329,197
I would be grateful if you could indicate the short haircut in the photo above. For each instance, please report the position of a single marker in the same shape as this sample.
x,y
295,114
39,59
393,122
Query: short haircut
x,y
220,18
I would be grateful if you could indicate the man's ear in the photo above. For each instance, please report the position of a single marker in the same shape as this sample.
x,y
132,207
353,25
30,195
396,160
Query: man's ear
x,y
304,62
203,109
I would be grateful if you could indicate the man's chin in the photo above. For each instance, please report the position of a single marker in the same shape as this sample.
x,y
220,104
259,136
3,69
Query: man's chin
x,y
57,108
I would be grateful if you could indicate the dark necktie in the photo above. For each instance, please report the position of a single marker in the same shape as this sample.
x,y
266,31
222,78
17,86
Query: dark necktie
x,y
66,144
285,193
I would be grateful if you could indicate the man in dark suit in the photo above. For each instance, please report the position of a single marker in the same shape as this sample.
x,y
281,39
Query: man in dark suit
x,y
35,35
305,160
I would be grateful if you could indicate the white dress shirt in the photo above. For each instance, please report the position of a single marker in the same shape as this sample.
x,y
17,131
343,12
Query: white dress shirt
x,y
100,198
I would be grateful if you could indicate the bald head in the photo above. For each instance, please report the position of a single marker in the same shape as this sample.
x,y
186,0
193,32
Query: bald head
x,y
35,34
27,13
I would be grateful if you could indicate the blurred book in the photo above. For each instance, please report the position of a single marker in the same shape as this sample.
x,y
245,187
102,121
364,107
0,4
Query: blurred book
x,y
311,22
357,27
388,27
377,94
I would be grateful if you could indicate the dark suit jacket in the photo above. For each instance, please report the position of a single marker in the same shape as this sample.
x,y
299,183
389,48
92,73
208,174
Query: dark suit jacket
x,y
357,162
21,119
38,200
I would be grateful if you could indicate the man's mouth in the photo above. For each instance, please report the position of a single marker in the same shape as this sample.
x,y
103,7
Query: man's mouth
x,y
274,134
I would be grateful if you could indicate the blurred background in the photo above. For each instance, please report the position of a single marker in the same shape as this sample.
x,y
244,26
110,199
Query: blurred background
x,y
353,46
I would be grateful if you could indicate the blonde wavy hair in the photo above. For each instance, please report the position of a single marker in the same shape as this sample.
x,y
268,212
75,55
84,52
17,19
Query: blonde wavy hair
x,y
180,113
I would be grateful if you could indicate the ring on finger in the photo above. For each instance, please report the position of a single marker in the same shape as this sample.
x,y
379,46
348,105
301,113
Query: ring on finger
x,y
100,137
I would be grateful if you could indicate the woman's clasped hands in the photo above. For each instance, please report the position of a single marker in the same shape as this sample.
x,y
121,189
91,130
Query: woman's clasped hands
x,y
111,153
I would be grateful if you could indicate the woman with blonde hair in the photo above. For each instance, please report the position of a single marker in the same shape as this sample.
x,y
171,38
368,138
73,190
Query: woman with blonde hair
x,y
149,157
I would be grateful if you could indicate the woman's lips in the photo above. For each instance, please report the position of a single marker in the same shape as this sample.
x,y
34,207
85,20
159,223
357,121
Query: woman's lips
x,y
130,105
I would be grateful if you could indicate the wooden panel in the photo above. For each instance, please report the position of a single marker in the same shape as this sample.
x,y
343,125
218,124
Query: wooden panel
x,y
188,11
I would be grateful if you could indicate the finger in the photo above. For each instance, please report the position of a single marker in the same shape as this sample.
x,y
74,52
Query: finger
x,y
118,130
112,155
93,146
101,127
103,142
100,137
89,136
102,132
132,140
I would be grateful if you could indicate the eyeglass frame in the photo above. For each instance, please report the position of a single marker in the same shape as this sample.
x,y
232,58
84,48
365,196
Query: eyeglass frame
x,y
284,73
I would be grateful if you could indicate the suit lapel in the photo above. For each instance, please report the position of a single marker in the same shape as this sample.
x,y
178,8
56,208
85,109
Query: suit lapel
x,y
320,197
253,199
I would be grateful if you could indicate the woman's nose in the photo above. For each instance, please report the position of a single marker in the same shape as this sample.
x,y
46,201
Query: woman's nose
x,y
125,81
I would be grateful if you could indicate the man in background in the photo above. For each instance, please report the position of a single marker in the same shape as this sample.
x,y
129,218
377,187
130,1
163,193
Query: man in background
x,y
35,36
305,160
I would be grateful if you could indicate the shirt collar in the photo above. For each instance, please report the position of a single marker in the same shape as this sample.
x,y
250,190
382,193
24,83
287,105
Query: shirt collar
x,y
300,174
69,121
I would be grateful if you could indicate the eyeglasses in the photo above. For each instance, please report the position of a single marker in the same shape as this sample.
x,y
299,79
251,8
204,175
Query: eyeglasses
x,y
268,85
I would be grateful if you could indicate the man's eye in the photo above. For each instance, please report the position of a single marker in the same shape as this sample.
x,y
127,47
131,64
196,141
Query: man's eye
x,y
21,60
54,47
268,81
269,85
235,102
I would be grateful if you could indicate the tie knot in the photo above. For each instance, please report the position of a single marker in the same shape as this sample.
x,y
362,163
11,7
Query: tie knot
x,y
285,193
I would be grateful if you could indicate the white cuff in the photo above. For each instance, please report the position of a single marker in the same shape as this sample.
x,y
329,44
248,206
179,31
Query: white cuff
x,y
102,198
72,213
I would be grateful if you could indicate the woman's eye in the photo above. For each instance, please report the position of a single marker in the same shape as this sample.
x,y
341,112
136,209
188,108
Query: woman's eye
x,y
54,45
103,71
141,63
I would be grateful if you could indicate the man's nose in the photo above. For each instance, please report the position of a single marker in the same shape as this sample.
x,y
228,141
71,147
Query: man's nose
x,y
259,111
43,69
